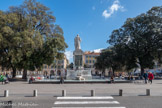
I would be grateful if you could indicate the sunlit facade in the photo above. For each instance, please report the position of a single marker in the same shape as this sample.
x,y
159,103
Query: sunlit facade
x,y
90,59
56,68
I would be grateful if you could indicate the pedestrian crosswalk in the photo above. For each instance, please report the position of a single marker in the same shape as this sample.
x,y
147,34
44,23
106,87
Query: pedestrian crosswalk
x,y
86,102
85,97
88,107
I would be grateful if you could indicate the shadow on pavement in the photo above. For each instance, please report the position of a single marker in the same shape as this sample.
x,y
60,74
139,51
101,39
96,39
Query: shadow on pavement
x,y
28,96
115,95
142,95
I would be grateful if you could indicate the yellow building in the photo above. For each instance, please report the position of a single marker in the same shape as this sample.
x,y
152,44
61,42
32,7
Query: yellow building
x,y
56,68
90,59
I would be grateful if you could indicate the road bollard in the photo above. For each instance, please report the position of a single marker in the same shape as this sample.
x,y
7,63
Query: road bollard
x,y
147,92
6,93
35,93
63,92
92,92
120,92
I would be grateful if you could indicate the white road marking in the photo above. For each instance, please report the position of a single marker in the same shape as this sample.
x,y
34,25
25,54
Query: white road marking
x,y
85,97
88,107
86,102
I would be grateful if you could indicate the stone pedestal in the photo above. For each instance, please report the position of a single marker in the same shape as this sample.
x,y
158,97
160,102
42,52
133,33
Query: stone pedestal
x,y
74,74
78,59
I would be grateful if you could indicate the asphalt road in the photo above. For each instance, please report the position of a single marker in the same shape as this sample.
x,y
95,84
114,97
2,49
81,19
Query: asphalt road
x,y
84,102
20,95
21,89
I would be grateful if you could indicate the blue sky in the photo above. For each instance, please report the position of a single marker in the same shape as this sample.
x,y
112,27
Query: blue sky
x,y
93,20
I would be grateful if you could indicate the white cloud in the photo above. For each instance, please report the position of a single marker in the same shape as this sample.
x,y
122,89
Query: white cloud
x,y
69,55
114,7
93,8
97,50
106,14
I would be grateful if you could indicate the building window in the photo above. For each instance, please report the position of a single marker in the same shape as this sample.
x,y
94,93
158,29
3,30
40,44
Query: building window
x,y
86,61
89,61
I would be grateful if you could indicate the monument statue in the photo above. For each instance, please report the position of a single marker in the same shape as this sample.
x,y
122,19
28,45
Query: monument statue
x,y
78,64
77,41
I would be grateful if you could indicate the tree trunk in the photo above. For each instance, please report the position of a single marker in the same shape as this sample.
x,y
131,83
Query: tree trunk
x,y
142,71
113,72
24,74
13,72
102,73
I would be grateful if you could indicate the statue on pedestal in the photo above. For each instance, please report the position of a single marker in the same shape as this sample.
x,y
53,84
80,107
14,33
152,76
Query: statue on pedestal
x,y
77,41
78,63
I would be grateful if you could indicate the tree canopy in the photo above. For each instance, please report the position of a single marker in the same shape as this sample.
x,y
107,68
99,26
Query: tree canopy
x,y
140,38
109,58
137,43
29,37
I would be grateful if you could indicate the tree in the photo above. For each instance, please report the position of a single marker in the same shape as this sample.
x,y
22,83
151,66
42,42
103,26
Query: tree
x,y
140,38
109,58
9,41
70,66
34,38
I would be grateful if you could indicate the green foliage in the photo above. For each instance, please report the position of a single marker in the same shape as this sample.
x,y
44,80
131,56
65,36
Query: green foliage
x,y
109,58
70,66
29,38
140,39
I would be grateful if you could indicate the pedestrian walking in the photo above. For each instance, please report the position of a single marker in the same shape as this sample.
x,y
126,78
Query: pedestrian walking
x,y
150,77
112,79
145,75
61,80
7,77
31,79
2,78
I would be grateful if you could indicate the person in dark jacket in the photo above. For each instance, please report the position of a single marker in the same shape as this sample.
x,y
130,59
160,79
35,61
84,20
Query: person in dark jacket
x,y
62,80
145,77
112,79
31,80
